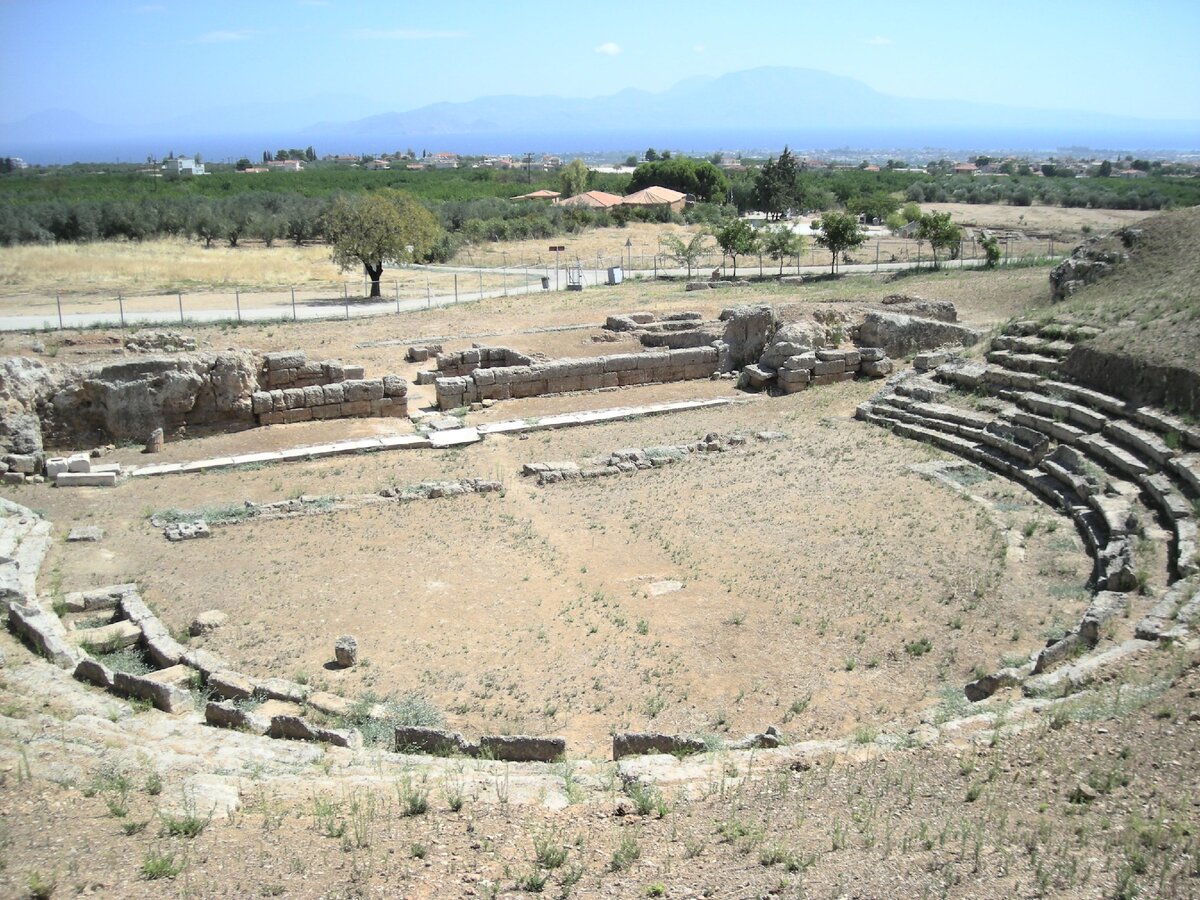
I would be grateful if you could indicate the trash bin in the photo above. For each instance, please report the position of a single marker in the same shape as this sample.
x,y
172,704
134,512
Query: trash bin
x,y
545,282
615,275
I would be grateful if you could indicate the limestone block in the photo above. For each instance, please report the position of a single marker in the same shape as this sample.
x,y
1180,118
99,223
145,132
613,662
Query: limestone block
x,y
353,372
633,743
434,741
288,359
314,395
329,704
94,672
231,685
293,398
294,727
85,533
345,651
78,462
107,638
178,675
54,465
207,621
357,408
86,479
228,715
522,748
332,393
261,402
394,386
297,415
278,402
166,697
829,366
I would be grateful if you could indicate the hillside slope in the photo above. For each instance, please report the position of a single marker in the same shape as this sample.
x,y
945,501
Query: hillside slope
x,y
1150,310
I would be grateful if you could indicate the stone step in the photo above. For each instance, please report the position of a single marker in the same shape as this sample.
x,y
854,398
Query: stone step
x,y
1033,363
1165,496
1061,410
1112,455
1187,470
1144,443
1071,679
1057,349
1059,431
178,675
107,638
1113,406
1165,423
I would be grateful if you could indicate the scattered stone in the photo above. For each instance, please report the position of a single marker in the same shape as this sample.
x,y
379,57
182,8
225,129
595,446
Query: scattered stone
x,y
207,621
434,741
658,588
186,531
86,533
345,650
767,436
154,443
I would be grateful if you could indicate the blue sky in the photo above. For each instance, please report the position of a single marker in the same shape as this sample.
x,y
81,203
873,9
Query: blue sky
x,y
312,60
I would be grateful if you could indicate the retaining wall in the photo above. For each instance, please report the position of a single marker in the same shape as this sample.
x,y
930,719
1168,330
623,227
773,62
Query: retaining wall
x,y
564,375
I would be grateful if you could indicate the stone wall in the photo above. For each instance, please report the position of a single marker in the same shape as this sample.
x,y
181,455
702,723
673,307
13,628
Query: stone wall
x,y
370,397
100,403
564,375
291,368
464,362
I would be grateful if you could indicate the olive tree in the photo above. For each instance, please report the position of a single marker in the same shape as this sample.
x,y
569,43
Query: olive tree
x,y
684,254
939,231
375,229
781,243
736,238
838,233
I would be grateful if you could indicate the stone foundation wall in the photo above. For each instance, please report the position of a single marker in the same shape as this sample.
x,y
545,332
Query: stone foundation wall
x,y
464,362
291,368
564,375
371,397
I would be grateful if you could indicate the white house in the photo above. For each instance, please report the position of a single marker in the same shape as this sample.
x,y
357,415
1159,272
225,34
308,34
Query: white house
x,y
183,165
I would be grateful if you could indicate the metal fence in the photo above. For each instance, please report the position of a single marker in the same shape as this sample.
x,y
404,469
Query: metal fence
x,y
416,287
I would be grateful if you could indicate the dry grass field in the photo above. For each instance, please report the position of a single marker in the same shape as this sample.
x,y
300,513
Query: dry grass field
x,y
149,275
814,582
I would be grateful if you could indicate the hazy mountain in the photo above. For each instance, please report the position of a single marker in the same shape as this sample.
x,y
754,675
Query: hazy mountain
x,y
756,99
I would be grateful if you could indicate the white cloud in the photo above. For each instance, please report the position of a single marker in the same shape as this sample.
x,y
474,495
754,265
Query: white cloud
x,y
608,49
699,48
404,34
224,37
879,41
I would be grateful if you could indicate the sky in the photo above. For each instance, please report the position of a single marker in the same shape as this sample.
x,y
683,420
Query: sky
x,y
304,61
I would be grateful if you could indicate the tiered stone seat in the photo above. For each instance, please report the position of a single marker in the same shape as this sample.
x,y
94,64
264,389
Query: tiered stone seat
x,y
1091,455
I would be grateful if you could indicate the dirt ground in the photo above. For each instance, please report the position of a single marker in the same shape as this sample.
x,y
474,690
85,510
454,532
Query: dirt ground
x,y
813,582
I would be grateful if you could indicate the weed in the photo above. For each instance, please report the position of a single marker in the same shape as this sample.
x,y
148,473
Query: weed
x,y
188,822
646,798
548,850
40,886
627,853
413,796
919,647
157,864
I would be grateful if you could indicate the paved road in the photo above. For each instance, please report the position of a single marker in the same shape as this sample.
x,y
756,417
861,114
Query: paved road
x,y
359,308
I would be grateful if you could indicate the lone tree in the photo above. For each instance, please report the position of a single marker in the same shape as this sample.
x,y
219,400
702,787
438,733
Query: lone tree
x,y
775,188
379,228
736,238
939,231
781,242
838,233
688,254
573,179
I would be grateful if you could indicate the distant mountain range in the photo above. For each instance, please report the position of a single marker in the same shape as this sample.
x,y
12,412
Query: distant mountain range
x,y
757,108
755,99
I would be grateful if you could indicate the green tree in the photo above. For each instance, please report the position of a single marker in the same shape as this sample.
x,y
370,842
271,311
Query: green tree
x,y
573,178
781,243
736,238
372,230
701,179
631,160
941,233
651,155
775,187
1105,169
911,212
838,233
684,254
877,205
894,223
991,251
